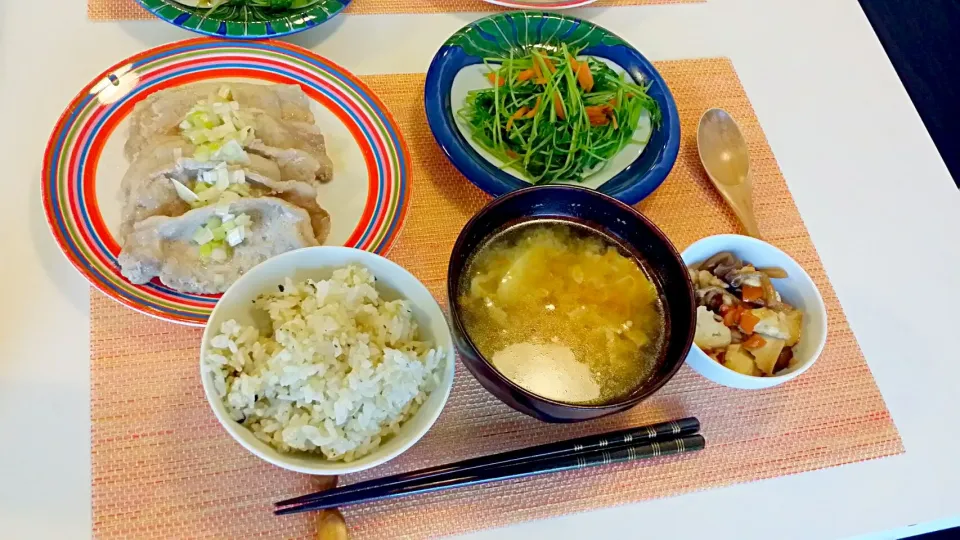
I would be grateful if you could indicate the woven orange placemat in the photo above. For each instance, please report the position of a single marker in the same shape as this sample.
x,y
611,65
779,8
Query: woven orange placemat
x,y
119,10
164,468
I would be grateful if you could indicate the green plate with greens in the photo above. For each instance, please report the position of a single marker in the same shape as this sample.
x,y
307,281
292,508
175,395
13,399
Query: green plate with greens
x,y
523,98
251,19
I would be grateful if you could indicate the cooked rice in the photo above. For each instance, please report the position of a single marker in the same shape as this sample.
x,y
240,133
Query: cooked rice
x,y
340,372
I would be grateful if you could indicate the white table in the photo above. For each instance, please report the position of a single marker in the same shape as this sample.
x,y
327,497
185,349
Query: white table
x,y
867,178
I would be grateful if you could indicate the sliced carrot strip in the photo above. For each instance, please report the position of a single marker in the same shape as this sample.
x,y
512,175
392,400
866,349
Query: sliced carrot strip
x,y
600,115
538,72
596,115
751,293
541,78
584,77
533,111
495,79
525,75
732,316
754,342
558,106
748,321
521,112
599,120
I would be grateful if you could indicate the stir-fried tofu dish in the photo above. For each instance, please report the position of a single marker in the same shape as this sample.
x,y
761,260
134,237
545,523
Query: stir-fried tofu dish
x,y
742,322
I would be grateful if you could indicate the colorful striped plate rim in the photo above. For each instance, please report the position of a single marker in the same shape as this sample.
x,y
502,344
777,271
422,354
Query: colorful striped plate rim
x,y
74,148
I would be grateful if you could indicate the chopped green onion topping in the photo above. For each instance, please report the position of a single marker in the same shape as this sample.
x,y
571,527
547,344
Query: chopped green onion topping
x,y
219,128
218,236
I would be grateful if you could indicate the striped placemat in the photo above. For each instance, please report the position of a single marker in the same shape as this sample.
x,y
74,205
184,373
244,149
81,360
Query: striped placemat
x,y
163,467
119,10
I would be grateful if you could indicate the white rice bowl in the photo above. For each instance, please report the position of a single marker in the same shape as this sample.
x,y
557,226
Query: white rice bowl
x,y
338,373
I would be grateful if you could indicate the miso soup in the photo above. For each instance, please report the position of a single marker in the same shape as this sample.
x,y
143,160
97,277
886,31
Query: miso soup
x,y
563,312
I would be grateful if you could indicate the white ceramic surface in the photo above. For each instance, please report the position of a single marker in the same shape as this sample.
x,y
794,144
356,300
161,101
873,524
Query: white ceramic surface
x,y
474,78
798,290
318,263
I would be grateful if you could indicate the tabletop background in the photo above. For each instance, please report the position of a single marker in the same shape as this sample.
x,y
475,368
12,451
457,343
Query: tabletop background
x,y
921,40
874,194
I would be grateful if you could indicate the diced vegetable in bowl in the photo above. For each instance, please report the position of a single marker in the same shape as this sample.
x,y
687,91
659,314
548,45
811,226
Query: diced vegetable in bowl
x,y
760,319
740,313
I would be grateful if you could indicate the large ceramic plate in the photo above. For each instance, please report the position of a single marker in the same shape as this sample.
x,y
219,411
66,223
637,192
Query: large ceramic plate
x,y
238,20
459,67
84,161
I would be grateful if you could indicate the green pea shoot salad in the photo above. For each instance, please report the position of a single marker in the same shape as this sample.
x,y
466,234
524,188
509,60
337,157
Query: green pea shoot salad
x,y
554,117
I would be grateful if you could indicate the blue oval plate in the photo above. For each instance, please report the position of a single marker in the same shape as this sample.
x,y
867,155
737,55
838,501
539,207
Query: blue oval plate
x,y
238,20
459,67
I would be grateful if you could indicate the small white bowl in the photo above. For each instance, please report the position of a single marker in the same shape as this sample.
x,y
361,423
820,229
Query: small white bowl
x,y
318,263
798,290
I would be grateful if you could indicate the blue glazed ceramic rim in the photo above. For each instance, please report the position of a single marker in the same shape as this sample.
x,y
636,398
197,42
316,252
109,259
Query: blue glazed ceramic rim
x,y
633,184
311,17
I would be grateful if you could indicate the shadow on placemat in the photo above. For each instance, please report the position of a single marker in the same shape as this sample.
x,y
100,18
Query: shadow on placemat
x,y
163,467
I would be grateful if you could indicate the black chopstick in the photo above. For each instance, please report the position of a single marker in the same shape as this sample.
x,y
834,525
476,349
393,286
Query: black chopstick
x,y
642,450
676,428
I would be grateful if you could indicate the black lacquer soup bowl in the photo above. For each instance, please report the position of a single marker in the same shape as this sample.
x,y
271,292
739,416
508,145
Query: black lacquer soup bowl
x,y
635,234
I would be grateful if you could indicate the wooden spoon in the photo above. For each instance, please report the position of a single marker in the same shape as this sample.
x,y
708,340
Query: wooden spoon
x,y
331,526
723,152
330,523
